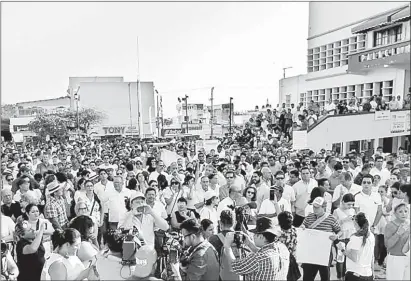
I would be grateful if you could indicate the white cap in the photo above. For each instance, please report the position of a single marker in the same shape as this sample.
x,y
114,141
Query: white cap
x,y
318,201
209,194
137,194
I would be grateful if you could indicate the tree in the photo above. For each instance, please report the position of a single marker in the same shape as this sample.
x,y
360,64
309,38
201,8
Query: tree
x,y
60,124
49,124
8,110
87,118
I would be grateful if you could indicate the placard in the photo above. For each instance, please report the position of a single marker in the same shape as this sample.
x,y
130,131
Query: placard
x,y
199,145
210,144
382,115
18,137
300,140
168,156
313,246
398,120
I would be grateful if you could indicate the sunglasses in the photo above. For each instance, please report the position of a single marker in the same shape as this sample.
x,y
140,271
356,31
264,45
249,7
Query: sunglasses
x,y
174,183
250,192
229,177
279,178
346,162
154,185
10,179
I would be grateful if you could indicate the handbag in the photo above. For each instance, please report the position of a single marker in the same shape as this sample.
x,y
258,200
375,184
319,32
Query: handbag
x,y
293,270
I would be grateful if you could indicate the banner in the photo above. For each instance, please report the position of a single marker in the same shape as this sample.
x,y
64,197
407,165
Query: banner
x,y
382,115
313,246
398,122
300,140
407,121
168,156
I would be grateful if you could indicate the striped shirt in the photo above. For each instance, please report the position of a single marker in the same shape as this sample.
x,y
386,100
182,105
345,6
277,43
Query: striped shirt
x,y
330,224
269,263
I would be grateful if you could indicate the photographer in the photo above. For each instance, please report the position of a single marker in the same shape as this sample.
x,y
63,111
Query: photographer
x,y
9,269
143,218
201,261
276,204
270,259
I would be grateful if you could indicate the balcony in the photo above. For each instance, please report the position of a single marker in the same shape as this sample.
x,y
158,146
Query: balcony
x,y
394,55
339,128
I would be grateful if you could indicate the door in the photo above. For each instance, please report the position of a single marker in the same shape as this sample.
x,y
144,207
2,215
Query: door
x,y
387,145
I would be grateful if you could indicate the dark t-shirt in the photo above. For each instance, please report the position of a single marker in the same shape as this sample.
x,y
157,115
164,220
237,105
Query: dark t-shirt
x,y
31,265
216,242
13,209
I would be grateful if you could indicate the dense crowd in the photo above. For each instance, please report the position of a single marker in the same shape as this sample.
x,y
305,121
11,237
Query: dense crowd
x,y
123,208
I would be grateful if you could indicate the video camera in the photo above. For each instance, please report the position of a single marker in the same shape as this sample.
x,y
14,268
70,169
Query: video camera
x,y
131,242
172,246
241,218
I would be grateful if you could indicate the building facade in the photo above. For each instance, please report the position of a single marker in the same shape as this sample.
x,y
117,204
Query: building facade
x,y
355,50
129,110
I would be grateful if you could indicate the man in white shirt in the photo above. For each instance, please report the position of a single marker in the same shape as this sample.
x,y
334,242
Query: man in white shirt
x,y
156,205
143,218
271,207
346,186
302,191
288,193
234,193
116,204
263,191
379,170
369,202
346,165
329,108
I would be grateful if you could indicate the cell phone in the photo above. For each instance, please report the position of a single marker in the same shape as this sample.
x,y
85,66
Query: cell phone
x,y
272,194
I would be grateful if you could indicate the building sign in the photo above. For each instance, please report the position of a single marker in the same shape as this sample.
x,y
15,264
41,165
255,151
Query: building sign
x,y
398,120
385,53
175,131
382,115
119,130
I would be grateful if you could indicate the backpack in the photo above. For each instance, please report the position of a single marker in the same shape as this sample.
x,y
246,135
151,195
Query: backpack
x,y
225,273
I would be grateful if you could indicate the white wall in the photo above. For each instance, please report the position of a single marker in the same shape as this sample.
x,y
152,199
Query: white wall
x,y
112,98
292,85
325,16
344,128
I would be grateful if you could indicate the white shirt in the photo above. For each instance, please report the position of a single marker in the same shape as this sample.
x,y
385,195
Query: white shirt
x,y
109,267
223,205
159,209
365,255
116,204
7,227
288,193
211,214
102,193
33,193
302,195
341,190
368,204
328,107
267,208
383,173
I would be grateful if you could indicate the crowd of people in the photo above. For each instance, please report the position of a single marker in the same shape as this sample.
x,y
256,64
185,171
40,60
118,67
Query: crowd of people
x,y
69,208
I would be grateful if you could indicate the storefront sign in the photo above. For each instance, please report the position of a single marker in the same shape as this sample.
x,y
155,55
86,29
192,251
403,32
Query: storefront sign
x,y
120,130
173,132
382,115
398,122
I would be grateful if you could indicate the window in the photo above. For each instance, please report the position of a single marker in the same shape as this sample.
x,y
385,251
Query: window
x,y
387,36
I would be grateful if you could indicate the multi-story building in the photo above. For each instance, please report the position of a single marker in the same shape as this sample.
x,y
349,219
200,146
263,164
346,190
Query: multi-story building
x,y
25,112
355,50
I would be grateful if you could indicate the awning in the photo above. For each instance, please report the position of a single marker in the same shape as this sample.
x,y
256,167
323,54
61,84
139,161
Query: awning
x,y
375,22
401,15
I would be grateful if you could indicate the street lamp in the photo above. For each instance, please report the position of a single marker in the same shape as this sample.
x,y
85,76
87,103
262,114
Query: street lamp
x,y
76,98
186,117
231,113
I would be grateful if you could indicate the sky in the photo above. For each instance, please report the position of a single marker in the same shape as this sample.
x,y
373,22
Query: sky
x,y
184,48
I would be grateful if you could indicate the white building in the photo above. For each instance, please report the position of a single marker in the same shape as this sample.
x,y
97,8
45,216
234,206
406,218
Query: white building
x,y
128,111
355,49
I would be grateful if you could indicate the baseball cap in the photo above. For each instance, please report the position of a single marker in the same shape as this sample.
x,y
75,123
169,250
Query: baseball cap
x,y
136,195
146,258
318,201
265,225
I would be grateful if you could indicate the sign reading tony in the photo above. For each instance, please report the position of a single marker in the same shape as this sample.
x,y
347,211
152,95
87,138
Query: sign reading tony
x,y
119,130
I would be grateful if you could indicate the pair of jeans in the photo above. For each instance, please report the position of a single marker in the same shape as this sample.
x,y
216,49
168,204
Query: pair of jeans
x,y
310,270
380,251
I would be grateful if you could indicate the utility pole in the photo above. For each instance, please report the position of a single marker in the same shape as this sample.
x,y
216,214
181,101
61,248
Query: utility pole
x,y
129,103
231,113
77,98
284,69
212,112
158,116
186,99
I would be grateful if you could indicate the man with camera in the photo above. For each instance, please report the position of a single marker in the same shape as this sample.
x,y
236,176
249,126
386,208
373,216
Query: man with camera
x,y
201,261
275,204
143,218
270,258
